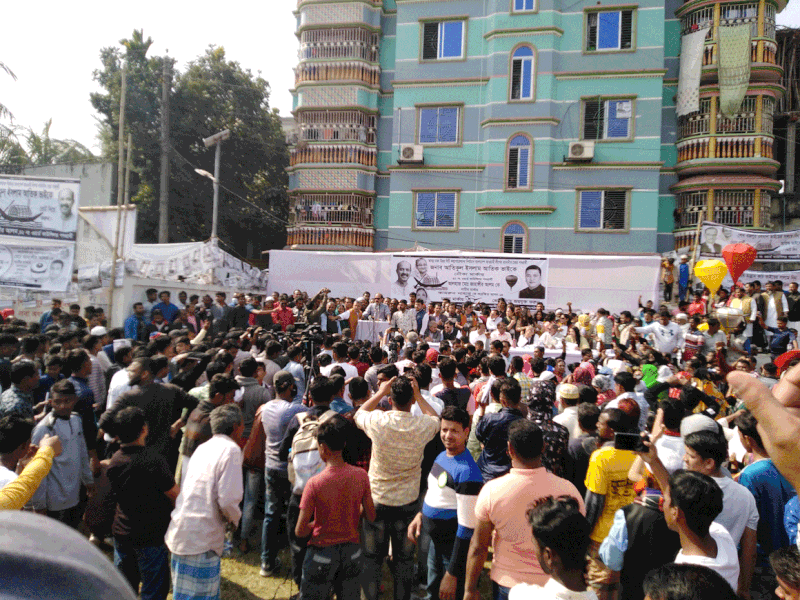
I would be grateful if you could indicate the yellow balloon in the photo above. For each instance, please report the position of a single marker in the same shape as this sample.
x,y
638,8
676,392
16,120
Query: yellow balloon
x,y
711,273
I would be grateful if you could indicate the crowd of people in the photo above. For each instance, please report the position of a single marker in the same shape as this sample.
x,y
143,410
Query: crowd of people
x,y
647,454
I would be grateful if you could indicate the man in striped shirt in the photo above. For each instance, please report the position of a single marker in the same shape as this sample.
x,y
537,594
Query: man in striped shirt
x,y
448,511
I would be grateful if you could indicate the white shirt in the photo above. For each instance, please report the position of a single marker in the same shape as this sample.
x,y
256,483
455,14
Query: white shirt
x,y
771,318
504,337
569,419
739,510
668,338
710,341
726,563
551,589
474,336
670,450
209,498
6,476
349,372
435,403
119,384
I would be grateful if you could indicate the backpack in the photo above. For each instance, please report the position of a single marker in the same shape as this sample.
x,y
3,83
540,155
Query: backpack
x,y
304,459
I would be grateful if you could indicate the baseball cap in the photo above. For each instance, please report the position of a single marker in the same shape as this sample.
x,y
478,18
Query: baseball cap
x,y
99,331
282,378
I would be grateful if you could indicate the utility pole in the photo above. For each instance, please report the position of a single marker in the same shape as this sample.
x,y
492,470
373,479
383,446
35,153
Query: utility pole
x,y
217,140
163,197
120,189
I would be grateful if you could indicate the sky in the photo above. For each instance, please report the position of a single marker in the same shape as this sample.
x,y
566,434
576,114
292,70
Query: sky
x,y
54,82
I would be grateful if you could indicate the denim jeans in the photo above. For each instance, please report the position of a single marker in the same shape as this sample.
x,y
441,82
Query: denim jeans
x,y
499,592
253,489
278,490
297,546
324,567
438,560
147,564
392,523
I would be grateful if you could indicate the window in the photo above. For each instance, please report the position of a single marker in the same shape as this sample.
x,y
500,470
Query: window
x,y
524,5
522,73
514,239
435,210
602,209
519,156
607,119
442,40
609,30
438,125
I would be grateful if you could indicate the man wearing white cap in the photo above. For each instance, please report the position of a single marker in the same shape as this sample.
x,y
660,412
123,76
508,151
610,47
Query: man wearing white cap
x,y
568,396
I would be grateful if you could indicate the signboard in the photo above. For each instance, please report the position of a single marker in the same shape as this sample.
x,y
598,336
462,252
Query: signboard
x,y
777,246
470,278
36,267
39,208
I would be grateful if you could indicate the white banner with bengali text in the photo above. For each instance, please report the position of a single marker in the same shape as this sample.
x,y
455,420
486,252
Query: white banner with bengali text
x,y
772,246
39,207
33,266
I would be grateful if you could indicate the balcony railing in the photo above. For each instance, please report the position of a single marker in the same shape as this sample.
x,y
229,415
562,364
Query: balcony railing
x,y
305,214
731,207
303,2
345,71
334,154
730,15
353,201
750,146
337,132
330,236
338,51
769,54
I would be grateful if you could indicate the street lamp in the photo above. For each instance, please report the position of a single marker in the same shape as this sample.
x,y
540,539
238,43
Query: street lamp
x,y
215,140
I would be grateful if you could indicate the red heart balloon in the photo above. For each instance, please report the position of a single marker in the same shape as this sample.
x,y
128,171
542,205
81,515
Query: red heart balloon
x,y
738,258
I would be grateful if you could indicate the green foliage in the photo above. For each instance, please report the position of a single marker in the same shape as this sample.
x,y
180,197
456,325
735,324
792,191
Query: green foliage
x,y
212,94
23,146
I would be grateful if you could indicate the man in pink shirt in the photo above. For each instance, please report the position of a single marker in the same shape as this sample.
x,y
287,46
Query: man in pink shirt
x,y
501,513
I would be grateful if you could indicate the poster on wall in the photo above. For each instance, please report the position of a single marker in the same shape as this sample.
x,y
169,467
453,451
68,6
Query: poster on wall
x,y
39,208
34,267
772,246
522,280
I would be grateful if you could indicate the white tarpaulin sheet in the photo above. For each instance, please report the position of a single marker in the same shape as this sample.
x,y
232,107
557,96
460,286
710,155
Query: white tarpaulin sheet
x,y
589,282
39,208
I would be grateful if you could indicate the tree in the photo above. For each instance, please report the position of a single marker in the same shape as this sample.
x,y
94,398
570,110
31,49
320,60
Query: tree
x,y
22,146
4,112
211,95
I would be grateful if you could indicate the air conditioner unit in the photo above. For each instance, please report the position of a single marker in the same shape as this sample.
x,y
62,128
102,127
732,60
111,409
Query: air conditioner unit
x,y
410,153
580,151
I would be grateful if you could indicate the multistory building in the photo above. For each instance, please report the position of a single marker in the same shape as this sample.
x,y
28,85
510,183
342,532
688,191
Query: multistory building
x,y
521,126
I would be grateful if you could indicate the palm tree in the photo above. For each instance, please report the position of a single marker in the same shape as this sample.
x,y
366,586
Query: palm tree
x,y
4,112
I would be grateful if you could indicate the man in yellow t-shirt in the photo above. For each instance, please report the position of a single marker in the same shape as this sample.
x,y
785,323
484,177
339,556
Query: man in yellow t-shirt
x,y
607,490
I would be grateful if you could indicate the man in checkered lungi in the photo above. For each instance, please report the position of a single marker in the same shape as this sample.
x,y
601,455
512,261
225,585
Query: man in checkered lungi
x,y
196,534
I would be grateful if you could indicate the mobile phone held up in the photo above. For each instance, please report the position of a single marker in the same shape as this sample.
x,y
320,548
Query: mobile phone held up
x,y
629,441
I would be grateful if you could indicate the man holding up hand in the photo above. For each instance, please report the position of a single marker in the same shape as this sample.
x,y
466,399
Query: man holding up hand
x,y
398,442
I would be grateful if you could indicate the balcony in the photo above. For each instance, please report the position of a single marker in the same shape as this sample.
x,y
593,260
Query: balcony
x,y
763,56
342,72
324,238
307,2
734,200
338,154
743,142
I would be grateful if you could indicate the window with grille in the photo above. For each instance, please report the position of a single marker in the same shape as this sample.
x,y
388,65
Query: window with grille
x,y
514,239
435,210
607,119
603,210
519,159
522,73
608,31
442,40
524,5
438,125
